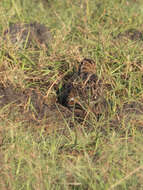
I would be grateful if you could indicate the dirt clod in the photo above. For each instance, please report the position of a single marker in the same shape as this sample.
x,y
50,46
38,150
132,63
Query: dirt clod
x,y
23,35
132,34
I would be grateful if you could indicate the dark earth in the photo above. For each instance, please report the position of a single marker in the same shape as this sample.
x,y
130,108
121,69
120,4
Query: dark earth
x,y
130,34
23,35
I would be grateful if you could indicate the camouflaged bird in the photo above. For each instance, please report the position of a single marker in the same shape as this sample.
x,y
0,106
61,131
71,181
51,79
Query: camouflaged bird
x,y
84,91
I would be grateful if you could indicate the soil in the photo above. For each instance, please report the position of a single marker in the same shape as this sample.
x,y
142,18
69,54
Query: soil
x,y
132,34
23,35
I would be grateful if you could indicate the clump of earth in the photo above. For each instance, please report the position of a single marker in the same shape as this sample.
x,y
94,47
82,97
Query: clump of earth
x,y
132,34
23,35
33,107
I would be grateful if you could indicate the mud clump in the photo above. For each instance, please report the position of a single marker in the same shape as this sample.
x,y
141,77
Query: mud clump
x,y
131,34
24,35
32,107
133,107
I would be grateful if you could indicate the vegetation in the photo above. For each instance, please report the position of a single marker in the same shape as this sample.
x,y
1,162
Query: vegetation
x,y
103,150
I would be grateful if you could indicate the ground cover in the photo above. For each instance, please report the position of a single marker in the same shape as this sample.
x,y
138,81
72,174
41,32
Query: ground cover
x,y
71,108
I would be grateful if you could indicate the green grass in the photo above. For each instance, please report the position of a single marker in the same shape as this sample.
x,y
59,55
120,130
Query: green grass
x,y
104,156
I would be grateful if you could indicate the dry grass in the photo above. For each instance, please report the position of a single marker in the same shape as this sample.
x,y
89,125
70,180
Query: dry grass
x,y
97,52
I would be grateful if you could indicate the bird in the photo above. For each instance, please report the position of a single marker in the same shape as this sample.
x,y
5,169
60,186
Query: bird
x,y
87,93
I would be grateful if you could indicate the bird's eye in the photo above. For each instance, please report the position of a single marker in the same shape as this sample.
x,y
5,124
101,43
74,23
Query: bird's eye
x,y
71,99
